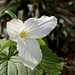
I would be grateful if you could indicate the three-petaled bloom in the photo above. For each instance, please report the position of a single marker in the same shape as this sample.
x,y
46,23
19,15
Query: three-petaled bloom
x,y
25,35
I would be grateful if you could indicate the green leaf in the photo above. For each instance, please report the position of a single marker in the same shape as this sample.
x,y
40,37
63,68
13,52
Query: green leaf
x,y
7,44
36,71
50,62
41,42
11,14
2,41
10,64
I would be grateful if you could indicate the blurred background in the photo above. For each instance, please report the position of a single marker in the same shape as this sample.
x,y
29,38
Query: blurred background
x,y
62,39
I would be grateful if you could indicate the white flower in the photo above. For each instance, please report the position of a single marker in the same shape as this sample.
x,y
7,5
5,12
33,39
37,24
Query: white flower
x,y
25,35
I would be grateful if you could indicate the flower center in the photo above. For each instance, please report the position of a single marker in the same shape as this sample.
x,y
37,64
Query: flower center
x,y
23,34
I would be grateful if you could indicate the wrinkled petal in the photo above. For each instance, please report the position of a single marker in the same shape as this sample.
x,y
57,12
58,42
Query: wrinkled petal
x,y
29,52
13,28
39,28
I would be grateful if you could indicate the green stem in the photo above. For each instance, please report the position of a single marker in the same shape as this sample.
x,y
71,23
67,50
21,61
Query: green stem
x,y
10,52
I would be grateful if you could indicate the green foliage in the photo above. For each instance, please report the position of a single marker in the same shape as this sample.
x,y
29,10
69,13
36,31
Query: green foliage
x,y
10,63
7,44
11,14
50,61
41,42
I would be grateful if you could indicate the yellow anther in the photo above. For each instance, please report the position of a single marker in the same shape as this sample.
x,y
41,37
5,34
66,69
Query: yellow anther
x,y
23,34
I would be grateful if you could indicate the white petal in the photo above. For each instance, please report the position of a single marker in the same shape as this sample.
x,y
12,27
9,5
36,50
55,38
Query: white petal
x,y
39,28
13,28
29,52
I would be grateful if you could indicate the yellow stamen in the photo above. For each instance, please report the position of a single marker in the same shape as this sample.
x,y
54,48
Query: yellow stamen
x,y
23,34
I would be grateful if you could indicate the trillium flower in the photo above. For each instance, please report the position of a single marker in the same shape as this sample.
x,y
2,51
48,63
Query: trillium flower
x,y
25,35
